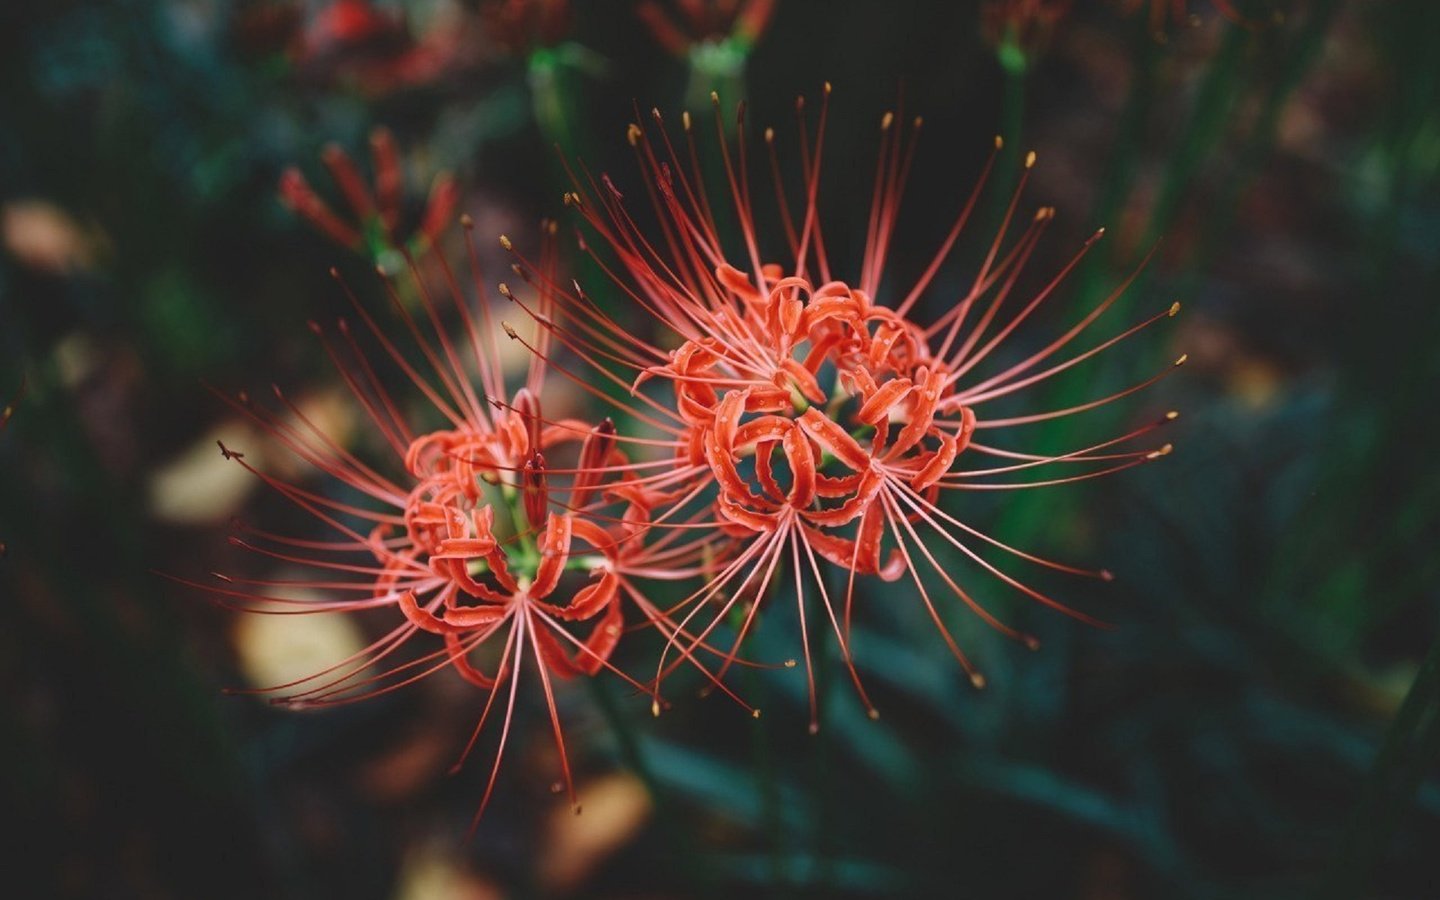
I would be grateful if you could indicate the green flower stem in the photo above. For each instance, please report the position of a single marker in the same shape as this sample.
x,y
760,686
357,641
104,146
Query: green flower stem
x,y
672,832
1411,749
1209,122
550,97
1207,125
626,740
768,782
557,77
762,756
525,550
823,648
1012,122
183,733
1119,178
718,66
1298,61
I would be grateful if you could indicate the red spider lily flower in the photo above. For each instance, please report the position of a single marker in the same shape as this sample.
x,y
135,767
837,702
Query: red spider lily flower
x,y
478,545
699,22
713,37
377,214
355,44
353,24
521,26
1025,25
260,29
1166,13
352,39
812,415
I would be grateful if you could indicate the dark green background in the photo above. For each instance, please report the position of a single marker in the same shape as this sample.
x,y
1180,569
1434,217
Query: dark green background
x,y
1243,731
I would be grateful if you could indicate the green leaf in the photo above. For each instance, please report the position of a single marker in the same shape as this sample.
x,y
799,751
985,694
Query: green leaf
x,y
1410,750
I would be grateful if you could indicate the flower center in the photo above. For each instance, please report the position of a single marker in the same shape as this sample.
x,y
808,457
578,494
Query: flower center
x,y
807,401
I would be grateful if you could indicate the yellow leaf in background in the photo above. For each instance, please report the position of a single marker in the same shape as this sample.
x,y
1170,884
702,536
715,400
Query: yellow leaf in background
x,y
613,808
199,486
275,650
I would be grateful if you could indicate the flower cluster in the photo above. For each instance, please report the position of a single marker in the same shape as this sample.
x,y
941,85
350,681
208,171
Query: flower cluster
x,y
377,220
778,422
696,23
523,26
1024,25
1162,14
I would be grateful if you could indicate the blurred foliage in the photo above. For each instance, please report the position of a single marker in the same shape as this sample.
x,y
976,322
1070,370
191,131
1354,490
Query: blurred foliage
x,y
1276,606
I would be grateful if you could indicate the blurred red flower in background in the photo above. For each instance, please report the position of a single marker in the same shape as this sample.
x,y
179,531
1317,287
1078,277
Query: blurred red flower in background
x,y
377,213
521,26
694,22
1027,24
355,44
1164,14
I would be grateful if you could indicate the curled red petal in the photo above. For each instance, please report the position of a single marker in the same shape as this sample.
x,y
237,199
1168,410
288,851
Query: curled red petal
x,y
834,439
938,464
554,553
801,457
